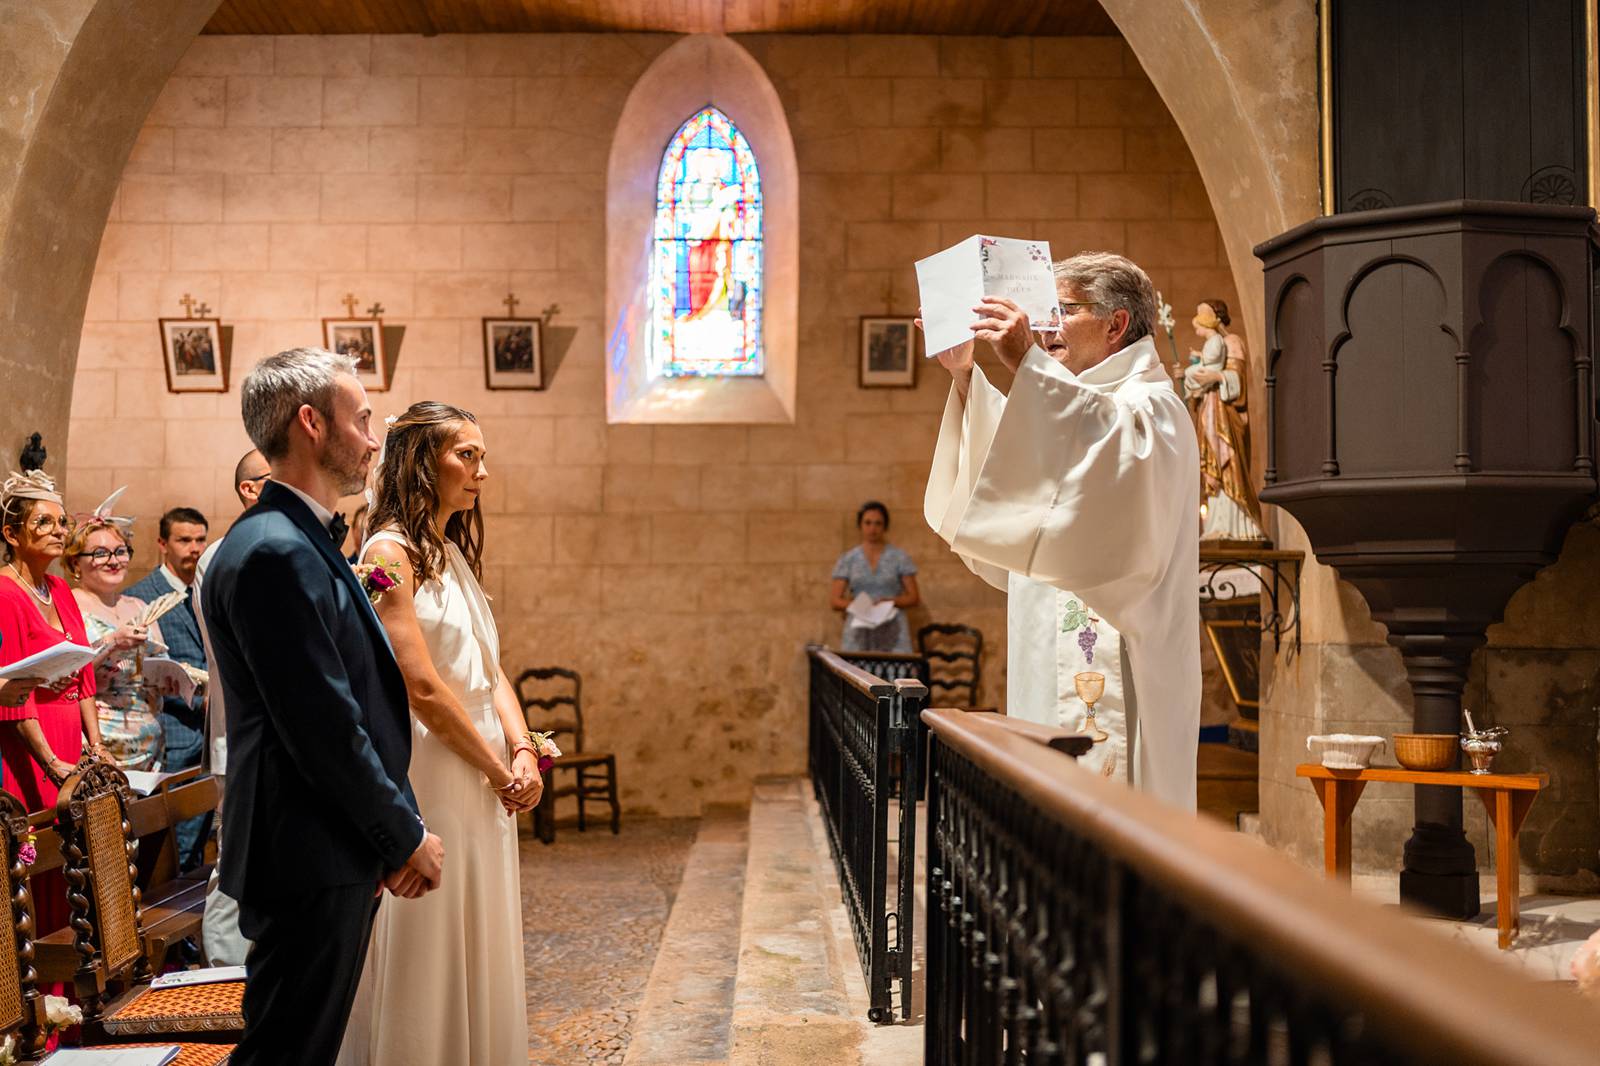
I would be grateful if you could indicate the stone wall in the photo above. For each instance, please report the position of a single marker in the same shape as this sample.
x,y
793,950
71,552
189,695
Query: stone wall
x,y
680,568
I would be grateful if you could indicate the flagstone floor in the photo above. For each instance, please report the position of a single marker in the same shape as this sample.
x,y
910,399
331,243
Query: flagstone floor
x,y
593,910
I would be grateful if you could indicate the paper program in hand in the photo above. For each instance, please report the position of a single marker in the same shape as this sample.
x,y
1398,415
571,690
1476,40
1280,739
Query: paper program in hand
x,y
952,282
865,614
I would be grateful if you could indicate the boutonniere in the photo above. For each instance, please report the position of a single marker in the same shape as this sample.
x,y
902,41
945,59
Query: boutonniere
x,y
378,577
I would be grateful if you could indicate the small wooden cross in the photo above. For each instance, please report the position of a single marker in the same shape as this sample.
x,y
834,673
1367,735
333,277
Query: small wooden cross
x,y
350,302
375,310
188,305
511,303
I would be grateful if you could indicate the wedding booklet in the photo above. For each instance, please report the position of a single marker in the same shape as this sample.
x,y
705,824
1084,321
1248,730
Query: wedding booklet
x,y
51,664
208,975
171,677
865,614
952,282
113,1056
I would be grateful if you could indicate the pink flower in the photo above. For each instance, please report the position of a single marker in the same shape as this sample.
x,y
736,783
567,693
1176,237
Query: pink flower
x,y
28,854
545,762
381,580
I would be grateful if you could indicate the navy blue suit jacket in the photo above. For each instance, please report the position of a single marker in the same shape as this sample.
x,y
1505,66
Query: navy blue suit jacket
x,y
181,635
319,730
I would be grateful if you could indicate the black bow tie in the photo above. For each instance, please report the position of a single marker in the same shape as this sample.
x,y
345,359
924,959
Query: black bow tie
x,y
337,530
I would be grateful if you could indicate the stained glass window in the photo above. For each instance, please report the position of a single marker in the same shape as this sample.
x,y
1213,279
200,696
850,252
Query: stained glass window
x,y
705,267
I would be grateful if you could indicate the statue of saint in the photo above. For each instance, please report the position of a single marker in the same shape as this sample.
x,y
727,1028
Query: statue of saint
x,y
1213,384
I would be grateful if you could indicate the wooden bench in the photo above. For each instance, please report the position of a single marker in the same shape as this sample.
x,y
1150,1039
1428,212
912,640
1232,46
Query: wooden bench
x,y
173,903
1507,798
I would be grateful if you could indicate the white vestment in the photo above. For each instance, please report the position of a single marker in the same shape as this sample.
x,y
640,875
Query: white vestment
x,y
1090,484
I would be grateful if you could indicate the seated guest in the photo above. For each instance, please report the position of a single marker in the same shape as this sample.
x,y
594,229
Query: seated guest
x,y
180,539
97,558
884,573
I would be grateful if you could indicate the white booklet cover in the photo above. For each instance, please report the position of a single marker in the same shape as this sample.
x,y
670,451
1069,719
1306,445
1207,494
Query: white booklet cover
x,y
206,975
113,1056
952,282
51,664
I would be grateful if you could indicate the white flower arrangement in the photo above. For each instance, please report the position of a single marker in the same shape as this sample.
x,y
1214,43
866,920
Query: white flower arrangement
x,y
8,1051
59,1014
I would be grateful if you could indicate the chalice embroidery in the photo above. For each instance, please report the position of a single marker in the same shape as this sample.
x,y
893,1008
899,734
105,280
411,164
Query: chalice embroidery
x,y
1091,687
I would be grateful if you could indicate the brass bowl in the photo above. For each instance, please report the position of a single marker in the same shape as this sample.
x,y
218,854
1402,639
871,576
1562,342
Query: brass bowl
x,y
1426,751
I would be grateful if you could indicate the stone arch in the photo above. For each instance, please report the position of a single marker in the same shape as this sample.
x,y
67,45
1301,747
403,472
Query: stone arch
x,y
1248,112
75,89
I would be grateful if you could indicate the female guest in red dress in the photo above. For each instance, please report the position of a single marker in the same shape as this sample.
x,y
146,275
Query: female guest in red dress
x,y
42,740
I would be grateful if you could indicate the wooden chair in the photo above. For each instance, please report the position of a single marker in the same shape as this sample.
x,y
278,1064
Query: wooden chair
x,y
955,657
108,927
172,905
21,1007
594,772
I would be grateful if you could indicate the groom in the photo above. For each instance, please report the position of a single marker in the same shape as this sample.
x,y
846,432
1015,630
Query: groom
x,y
320,813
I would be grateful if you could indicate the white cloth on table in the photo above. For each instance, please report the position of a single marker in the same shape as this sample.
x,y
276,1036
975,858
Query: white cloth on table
x,y
1088,483
444,976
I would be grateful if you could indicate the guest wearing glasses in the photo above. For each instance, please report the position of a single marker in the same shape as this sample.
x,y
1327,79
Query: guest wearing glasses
x,y
97,558
42,740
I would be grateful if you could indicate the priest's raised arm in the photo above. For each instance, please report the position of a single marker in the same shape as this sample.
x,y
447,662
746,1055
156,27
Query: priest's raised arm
x,y
1084,478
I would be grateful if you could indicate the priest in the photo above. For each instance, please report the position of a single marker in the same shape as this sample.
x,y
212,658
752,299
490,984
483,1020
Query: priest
x,y
1078,493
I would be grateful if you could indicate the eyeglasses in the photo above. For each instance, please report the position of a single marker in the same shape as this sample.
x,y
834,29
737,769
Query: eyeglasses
x,y
100,556
49,523
258,477
1072,308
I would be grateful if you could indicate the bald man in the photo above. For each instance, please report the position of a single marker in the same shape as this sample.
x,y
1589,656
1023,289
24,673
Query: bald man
x,y
225,945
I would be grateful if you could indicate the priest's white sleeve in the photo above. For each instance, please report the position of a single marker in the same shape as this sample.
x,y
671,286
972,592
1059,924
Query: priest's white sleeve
x,y
1077,487
965,435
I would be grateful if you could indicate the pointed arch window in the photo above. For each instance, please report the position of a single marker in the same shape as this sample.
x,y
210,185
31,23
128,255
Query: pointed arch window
x,y
706,266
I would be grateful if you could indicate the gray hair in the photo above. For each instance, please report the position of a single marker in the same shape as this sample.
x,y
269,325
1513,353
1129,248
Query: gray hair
x,y
1112,284
280,385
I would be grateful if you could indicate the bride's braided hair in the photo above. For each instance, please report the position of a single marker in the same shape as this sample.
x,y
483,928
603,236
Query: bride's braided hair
x,y
406,495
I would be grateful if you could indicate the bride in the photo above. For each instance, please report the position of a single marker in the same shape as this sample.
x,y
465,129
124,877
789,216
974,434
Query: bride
x,y
444,975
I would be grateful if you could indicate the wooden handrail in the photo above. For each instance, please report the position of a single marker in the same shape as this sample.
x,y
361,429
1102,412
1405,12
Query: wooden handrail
x,y
1423,990
859,678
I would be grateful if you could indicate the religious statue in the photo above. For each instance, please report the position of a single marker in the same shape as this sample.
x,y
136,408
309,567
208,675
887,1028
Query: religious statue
x,y
1213,384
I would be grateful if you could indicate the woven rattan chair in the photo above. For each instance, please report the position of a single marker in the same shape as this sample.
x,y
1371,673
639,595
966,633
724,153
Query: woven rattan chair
x,y
112,978
20,1004
955,655
552,702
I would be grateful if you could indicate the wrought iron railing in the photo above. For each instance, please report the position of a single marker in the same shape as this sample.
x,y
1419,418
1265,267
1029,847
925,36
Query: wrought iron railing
x,y
1073,920
864,752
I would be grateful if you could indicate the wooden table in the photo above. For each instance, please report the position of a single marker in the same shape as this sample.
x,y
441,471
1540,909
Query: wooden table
x,y
1507,798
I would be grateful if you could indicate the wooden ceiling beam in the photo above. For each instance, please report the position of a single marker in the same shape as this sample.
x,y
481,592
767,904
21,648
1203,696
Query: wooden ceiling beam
x,y
428,17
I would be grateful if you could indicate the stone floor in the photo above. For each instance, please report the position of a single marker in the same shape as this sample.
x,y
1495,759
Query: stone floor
x,y
594,907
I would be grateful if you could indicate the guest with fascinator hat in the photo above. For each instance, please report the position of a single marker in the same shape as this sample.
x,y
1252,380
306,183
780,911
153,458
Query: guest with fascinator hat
x,y
98,555
42,740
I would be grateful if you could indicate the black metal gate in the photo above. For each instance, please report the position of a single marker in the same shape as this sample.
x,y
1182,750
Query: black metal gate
x,y
864,752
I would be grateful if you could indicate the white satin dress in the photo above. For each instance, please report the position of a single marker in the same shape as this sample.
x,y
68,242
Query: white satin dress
x,y
444,978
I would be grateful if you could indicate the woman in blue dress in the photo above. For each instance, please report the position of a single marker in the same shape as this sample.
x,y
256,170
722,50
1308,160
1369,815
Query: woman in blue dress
x,y
884,573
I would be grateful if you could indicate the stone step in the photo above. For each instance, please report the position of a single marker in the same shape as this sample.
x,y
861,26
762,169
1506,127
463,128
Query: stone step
x,y
791,1007
686,1016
